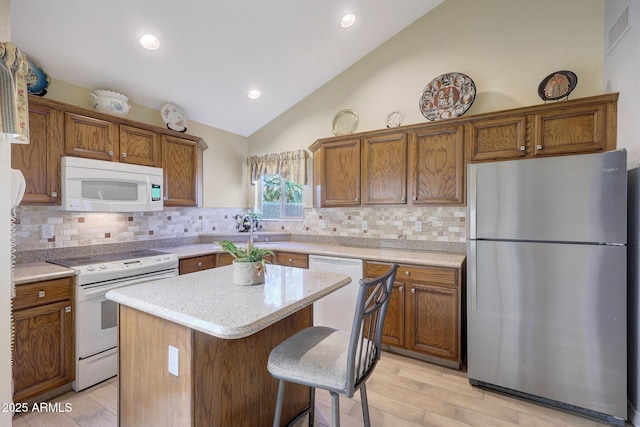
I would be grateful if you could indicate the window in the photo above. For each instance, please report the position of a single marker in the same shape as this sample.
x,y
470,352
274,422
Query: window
x,y
280,198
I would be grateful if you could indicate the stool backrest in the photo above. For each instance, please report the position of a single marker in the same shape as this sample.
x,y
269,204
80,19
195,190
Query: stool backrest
x,y
366,333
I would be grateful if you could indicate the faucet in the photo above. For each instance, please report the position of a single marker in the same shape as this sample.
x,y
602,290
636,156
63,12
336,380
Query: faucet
x,y
244,218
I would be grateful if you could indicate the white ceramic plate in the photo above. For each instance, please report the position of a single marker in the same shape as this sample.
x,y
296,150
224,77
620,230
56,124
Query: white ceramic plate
x,y
174,117
394,119
345,122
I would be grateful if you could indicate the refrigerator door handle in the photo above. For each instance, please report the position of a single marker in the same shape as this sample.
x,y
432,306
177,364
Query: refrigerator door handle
x,y
471,275
471,201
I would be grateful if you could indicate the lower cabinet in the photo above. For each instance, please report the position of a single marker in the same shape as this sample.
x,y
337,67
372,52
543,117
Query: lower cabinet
x,y
425,312
44,346
196,263
291,259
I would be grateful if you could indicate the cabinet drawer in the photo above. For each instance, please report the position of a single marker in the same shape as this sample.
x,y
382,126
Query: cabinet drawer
x,y
45,292
198,263
441,276
292,259
224,259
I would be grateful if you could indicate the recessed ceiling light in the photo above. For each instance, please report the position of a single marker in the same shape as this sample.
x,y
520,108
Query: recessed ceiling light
x,y
149,42
254,94
348,20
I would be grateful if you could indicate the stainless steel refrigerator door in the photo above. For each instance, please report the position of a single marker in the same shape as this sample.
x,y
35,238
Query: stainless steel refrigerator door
x,y
550,320
568,198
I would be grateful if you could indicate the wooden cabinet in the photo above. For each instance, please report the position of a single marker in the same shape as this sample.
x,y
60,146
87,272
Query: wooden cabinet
x,y
44,349
197,263
139,146
436,160
291,259
90,137
336,169
39,160
425,312
384,169
180,162
493,139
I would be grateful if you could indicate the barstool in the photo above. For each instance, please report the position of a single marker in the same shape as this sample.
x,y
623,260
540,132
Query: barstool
x,y
333,360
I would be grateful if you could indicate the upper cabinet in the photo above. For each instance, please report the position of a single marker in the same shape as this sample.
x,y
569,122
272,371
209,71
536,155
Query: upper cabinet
x,y
58,129
424,164
39,160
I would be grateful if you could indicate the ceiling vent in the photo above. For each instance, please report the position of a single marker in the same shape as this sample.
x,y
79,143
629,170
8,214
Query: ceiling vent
x,y
618,30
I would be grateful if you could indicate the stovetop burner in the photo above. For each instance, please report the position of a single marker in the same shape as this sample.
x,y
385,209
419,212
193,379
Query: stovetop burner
x,y
102,258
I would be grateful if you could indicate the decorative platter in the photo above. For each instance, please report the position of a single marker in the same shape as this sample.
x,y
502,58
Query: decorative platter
x,y
557,85
448,95
37,80
345,122
174,117
394,119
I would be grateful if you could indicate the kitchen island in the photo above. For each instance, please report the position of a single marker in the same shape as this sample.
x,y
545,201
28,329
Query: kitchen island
x,y
222,335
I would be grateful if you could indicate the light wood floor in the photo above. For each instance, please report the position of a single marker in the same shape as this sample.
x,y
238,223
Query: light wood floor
x,y
402,393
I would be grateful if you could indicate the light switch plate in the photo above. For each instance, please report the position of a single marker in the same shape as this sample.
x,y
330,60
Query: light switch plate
x,y
174,361
364,225
418,226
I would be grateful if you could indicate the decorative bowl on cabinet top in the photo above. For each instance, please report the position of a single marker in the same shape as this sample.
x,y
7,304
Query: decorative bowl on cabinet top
x,y
107,101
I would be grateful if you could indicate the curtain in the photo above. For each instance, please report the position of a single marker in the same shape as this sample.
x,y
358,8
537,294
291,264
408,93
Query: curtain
x,y
291,165
14,117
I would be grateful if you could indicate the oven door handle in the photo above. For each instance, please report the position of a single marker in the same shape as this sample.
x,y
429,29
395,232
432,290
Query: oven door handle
x,y
85,293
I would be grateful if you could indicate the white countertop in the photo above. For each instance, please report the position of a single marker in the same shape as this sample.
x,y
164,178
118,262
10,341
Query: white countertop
x,y
432,259
209,302
38,271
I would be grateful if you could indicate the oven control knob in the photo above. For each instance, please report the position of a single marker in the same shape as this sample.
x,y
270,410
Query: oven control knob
x,y
91,268
158,259
103,267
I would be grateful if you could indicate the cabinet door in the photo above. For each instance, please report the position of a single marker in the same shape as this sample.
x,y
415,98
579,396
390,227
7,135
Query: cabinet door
x,y
139,146
436,165
180,163
571,131
432,321
39,161
496,139
384,169
393,328
90,138
337,174
44,349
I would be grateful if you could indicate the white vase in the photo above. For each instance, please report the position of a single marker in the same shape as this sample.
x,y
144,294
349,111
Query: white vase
x,y
246,273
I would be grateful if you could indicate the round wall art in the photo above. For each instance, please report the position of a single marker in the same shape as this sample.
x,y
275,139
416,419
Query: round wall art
x,y
447,96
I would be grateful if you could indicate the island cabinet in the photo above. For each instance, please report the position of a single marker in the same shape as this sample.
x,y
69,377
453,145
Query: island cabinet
x,y
197,263
425,312
39,161
44,350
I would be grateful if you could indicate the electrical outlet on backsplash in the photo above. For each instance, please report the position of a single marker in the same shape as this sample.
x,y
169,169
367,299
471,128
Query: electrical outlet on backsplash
x,y
439,224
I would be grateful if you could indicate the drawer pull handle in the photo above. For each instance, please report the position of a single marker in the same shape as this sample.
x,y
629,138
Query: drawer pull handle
x,y
413,291
538,147
406,273
522,148
199,264
67,309
400,289
124,155
54,194
110,153
290,259
41,294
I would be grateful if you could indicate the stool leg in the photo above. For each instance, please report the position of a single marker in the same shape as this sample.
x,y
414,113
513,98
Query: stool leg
x,y
312,405
279,401
335,409
365,405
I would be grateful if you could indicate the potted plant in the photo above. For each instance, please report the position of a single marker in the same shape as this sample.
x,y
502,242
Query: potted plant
x,y
249,264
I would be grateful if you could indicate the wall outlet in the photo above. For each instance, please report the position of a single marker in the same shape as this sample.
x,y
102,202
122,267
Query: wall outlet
x,y
418,226
364,225
47,231
174,360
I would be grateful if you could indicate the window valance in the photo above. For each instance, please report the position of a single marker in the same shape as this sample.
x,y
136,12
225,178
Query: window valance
x,y
14,117
291,165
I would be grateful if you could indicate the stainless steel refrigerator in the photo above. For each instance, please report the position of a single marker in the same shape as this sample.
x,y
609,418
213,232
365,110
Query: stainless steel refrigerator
x,y
546,281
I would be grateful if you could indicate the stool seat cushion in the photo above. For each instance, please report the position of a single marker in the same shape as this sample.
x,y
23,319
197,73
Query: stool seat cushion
x,y
315,356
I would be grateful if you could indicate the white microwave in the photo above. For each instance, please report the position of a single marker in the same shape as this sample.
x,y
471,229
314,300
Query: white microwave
x,y
102,186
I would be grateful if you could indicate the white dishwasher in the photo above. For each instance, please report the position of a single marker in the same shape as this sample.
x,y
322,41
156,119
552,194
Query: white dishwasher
x,y
336,309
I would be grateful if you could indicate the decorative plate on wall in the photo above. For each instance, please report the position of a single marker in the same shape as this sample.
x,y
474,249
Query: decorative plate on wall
x,y
447,96
345,122
557,85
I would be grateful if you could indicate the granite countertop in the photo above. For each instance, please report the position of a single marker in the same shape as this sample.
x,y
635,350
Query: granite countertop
x,y
209,302
37,271
426,258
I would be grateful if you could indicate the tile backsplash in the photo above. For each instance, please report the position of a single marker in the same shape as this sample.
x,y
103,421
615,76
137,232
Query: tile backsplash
x,y
438,224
